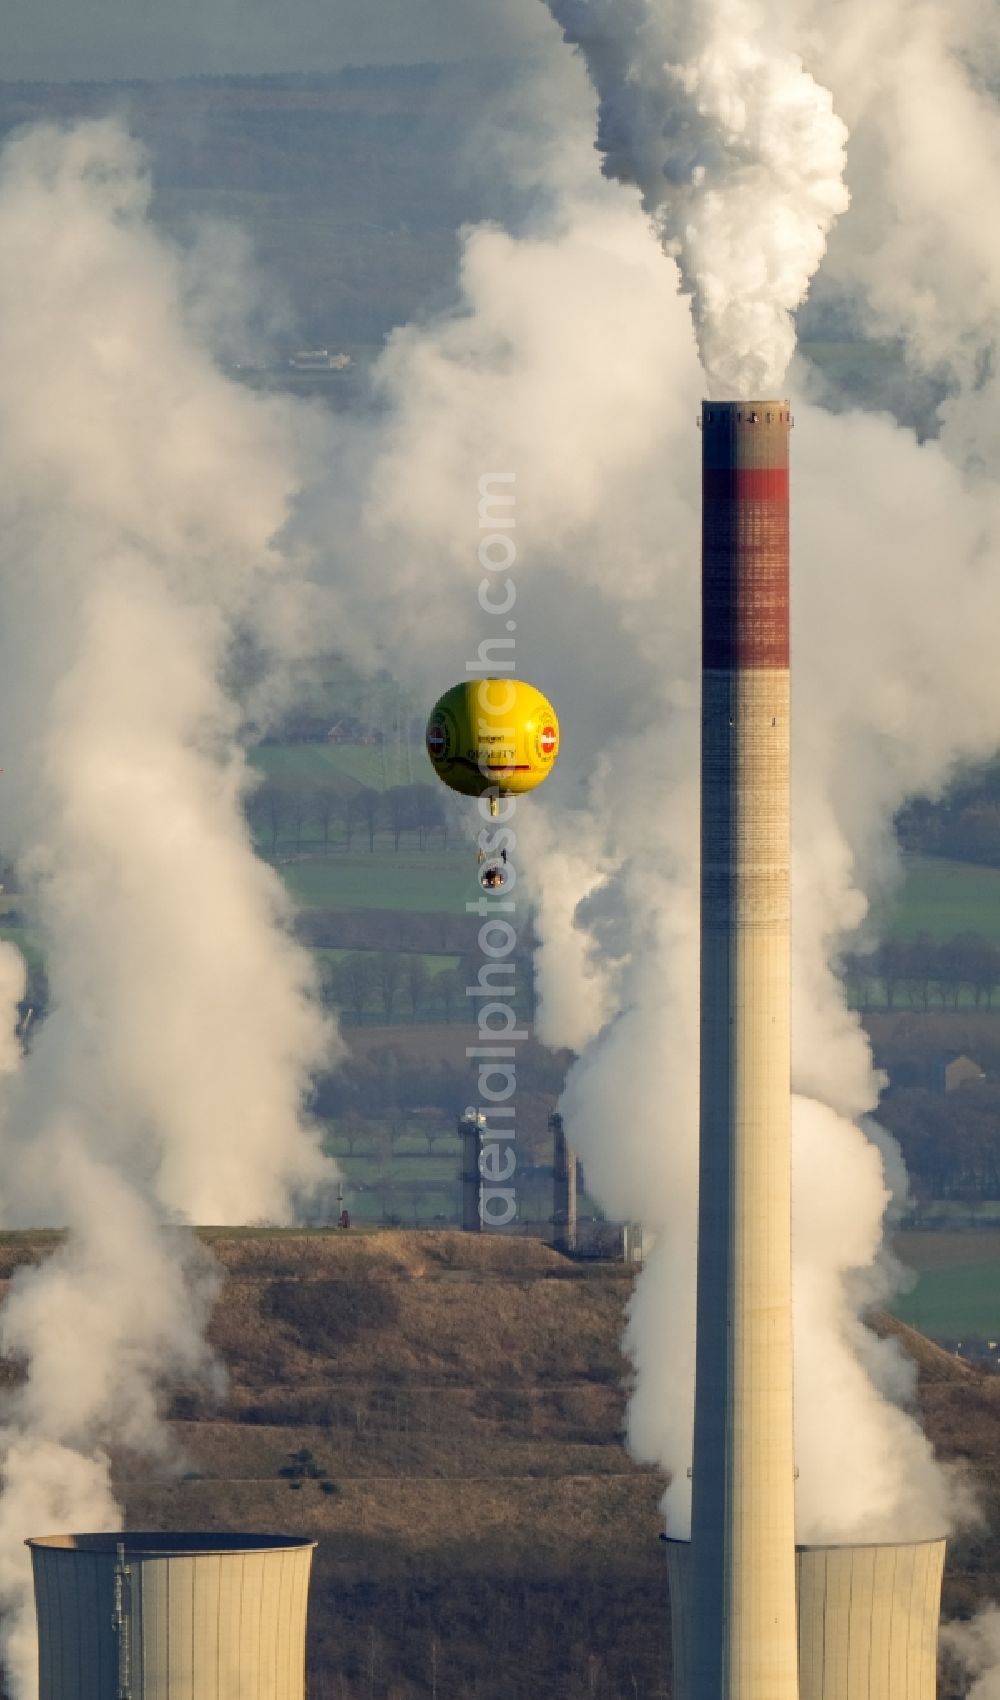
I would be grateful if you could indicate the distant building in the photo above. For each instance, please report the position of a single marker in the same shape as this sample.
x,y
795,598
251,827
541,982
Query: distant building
x,y
318,360
941,1071
611,1242
953,1070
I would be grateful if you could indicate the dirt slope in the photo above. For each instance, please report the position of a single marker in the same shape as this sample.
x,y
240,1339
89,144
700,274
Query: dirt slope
x,y
444,1413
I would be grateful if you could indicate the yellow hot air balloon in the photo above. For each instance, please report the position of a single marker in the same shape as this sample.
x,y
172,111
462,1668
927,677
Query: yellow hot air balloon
x,y
493,737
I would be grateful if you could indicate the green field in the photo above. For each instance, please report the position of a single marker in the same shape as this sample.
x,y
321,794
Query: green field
x,y
941,898
435,962
947,898
347,767
957,1290
949,1304
427,881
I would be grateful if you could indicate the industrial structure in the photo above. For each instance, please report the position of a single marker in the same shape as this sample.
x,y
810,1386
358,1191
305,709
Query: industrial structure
x,y
564,1187
470,1131
171,1617
868,1620
753,1617
743,1489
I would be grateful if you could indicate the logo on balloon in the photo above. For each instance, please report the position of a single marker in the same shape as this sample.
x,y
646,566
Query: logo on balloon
x,y
437,741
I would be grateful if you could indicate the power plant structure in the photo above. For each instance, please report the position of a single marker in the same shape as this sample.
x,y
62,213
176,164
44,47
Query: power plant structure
x,y
564,1188
471,1125
136,1616
753,1616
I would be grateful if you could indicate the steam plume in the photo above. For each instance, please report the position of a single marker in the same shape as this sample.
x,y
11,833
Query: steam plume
x,y
160,516
558,334
140,501
739,157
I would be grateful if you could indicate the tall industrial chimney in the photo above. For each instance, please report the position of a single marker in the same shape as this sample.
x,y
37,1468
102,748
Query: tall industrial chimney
x,y
743,1632
867,1619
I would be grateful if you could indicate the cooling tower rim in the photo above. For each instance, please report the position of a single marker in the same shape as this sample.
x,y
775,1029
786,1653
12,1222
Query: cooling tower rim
x,y
834,1546
145,1543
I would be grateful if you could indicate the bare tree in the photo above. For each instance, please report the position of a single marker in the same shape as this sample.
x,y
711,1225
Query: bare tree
x,y
429,811
388,979
366,805
418,1203
415,979
353,982
325,807
299,810
401,806
267,813
351,1127
448,990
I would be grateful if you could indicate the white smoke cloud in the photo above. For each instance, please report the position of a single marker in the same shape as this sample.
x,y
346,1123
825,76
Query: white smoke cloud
x,y
917,259
47,1487
739,156
864,739
975,1648
141,499
109,1320
143,496
13,981
571,361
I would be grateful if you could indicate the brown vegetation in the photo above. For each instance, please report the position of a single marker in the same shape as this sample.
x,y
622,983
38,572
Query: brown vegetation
x,y
444,1413
461,1400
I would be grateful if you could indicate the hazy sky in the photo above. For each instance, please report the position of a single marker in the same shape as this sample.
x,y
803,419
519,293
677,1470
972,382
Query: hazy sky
x,y
97,39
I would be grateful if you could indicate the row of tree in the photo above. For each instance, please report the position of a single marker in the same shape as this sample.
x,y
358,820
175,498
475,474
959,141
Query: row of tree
x,y
950,1143
389,1089
391,984
286,814
921,972
964,824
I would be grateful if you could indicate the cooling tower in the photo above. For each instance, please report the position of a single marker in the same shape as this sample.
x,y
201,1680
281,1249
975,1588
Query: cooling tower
x,y
171,1617
743,1625
868,1620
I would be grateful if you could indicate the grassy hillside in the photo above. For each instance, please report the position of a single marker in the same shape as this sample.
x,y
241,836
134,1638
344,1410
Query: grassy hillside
x,y
957,1288
946,898
428,882
347,767
444,1414
454,1407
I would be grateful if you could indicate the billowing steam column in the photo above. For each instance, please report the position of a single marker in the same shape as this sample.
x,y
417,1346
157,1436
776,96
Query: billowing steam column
x,y
867,1619
743,1625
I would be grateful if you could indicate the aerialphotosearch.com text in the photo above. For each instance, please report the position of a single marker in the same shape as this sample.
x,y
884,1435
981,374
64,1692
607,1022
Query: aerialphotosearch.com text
x,y
495,991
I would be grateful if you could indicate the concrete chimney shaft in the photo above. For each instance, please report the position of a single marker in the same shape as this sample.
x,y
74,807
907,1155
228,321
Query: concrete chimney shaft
x,y
743,1632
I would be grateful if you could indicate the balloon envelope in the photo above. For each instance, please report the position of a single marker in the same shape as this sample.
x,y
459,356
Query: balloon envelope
x,y
496,737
